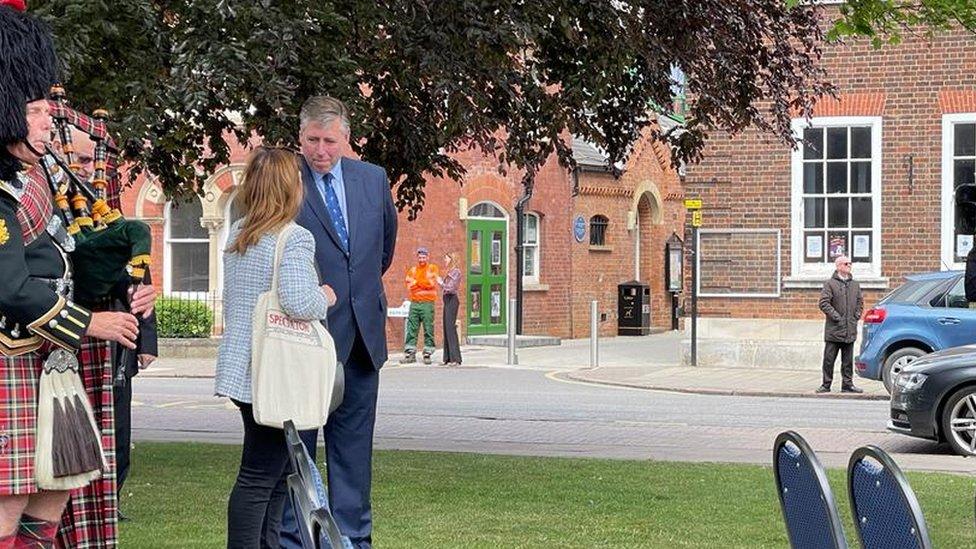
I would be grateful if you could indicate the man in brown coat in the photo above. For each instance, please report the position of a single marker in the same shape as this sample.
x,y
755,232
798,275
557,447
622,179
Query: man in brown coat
x,y
842,304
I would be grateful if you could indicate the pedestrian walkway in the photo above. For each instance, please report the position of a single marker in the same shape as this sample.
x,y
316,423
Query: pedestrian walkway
x,y
722,381
648,362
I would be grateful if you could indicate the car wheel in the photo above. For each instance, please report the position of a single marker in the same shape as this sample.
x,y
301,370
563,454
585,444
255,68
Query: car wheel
x,y
896,362
959,421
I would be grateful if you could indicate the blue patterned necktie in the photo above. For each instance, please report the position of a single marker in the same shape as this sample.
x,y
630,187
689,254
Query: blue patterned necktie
x,y
335,212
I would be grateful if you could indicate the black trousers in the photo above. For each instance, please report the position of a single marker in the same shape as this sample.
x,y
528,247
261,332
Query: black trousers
x,y
122,396
846,362
254,509
452,347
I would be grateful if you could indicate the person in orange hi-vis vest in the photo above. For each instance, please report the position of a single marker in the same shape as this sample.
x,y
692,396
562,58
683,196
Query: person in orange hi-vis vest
x,y
422,281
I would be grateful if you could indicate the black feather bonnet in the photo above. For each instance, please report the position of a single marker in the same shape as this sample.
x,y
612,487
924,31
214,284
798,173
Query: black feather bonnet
x,y
28,69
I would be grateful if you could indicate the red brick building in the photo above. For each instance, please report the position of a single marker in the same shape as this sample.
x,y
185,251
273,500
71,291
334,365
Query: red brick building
x,y
624,223
873,180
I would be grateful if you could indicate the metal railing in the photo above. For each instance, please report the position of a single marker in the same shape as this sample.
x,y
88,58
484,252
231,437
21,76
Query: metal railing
x,y
189,315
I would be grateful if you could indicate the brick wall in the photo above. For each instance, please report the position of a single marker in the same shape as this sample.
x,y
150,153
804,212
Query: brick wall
x,y
746,181
597,271
440,228
571,274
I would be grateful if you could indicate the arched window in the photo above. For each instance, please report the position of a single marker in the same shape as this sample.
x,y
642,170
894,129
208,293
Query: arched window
x,y
486,209
598,230
187,248
530,248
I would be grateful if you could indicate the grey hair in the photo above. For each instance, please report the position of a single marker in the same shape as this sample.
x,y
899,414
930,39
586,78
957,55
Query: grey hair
x,y
323,110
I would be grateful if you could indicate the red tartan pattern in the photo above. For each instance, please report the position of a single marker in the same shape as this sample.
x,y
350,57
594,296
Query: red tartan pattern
x,y
36,206
89,521
88,125
18,420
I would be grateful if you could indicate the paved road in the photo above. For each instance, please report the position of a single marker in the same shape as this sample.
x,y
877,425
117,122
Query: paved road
x,y
526,411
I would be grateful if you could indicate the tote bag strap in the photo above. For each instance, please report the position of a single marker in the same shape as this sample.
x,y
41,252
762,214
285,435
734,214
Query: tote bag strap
x,y
279,251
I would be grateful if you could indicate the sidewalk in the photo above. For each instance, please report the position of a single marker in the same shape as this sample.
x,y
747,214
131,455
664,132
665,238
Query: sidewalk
x,y
649,362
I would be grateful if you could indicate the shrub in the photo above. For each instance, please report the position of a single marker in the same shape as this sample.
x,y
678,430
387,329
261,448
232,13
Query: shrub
x,y
177,317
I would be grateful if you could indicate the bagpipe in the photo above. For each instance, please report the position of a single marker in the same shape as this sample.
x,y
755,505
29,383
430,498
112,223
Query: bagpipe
x,y
111,254
109,249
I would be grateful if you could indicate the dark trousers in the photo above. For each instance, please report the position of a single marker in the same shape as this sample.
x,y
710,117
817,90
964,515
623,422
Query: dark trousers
x,y
254,510
122,395
846,363
349,455
452,348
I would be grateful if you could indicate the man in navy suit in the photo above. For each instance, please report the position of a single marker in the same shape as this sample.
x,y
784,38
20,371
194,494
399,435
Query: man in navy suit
x,y
349,210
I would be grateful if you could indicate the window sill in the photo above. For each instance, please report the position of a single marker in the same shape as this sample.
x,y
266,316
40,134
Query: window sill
x,y
815,282
534,287
600,248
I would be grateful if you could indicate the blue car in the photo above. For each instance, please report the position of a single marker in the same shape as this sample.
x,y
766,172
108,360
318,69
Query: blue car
x,y
926,314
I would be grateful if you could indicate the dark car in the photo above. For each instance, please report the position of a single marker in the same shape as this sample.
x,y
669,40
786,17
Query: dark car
x,y
934,397
929,312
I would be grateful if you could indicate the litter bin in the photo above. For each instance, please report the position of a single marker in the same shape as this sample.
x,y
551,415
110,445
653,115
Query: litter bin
x,y
633,309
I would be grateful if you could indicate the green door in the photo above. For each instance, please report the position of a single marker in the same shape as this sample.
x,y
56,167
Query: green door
x,y
486,276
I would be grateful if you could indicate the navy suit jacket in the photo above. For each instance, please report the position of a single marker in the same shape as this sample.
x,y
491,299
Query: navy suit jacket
x,y
356,275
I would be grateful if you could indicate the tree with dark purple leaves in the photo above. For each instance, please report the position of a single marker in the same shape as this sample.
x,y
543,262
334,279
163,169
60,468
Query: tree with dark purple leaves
x,y
425,79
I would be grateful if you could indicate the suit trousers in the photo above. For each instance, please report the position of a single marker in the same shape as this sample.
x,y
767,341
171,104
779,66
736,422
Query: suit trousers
x,y
349,455
846,363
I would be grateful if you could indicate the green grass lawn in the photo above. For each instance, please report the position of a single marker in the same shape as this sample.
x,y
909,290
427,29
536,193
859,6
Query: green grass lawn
x,y
177,497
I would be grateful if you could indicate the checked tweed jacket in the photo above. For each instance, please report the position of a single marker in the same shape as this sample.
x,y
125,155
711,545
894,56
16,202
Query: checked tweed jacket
x,y
248,275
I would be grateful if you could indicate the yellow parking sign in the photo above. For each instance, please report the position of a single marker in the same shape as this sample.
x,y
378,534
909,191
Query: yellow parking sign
x,y
696,218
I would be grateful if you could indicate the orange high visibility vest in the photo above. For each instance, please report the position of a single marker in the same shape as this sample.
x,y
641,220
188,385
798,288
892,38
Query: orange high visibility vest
x,y
422,282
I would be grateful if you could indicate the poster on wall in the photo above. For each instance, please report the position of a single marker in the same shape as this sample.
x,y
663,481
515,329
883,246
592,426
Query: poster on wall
x,y
814,246
862,246
964,243
837,246
674,271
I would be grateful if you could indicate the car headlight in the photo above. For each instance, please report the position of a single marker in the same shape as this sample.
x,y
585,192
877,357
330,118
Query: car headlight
x,y
910,381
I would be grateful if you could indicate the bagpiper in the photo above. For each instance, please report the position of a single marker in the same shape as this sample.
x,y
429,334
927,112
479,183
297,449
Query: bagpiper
x,y
50,442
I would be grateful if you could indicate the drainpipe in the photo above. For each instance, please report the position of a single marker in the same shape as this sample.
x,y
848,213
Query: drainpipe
x,y
519,259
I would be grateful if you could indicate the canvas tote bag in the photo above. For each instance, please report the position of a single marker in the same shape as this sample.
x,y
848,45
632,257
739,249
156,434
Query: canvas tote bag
x,y
293,362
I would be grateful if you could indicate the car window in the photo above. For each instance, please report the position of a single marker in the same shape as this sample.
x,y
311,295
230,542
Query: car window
x,y
955,298
912,291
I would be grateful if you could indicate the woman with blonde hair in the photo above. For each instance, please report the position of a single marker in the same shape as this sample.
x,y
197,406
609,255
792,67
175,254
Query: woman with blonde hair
x,y
269,199
450,285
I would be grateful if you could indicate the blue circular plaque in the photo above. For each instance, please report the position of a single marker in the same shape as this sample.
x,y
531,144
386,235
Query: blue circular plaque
x,y
579,228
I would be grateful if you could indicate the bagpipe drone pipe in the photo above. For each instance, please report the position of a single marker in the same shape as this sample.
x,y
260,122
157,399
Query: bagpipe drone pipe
x,y
111,254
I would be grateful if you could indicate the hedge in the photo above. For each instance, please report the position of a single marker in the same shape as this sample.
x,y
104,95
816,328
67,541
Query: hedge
x,y
177,317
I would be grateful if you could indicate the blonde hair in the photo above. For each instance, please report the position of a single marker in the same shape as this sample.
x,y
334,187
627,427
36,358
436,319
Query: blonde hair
x,y
270,195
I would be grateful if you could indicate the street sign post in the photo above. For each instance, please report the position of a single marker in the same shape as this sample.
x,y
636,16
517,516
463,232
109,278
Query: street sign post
x,y
694,205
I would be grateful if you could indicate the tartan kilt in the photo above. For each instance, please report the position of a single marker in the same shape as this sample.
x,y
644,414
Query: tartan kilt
x,y
18,422
89,520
